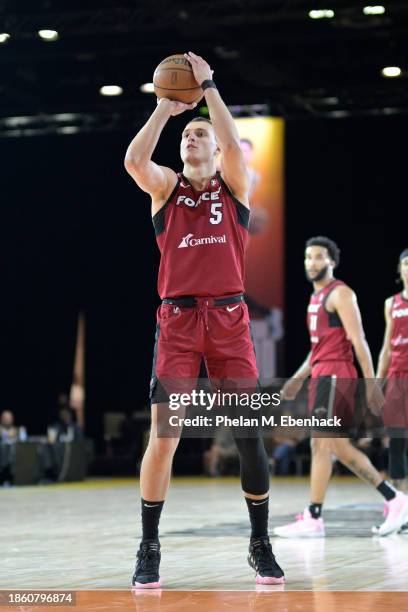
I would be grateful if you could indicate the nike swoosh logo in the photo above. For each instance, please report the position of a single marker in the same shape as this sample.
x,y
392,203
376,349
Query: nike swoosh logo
x,y
230,309
260,503
151,505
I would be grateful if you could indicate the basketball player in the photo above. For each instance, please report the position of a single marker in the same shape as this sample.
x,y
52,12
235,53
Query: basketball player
x,y
201,218
393,365
335,328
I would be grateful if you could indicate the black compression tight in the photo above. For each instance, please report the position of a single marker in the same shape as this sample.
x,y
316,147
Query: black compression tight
x,y
254,465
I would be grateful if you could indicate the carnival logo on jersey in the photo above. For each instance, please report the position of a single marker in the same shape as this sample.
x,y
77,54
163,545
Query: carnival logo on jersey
x,y
399,340
401,312
190,241
207,196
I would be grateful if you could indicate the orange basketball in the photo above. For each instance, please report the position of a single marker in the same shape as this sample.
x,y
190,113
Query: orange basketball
x,y
174,79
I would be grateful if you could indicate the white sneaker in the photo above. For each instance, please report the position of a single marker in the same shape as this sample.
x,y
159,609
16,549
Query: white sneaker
x,y
396,515
386,510
305,526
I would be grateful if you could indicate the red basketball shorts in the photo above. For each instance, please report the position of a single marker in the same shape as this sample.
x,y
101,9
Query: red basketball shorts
x,y
395,413
190,330
332,391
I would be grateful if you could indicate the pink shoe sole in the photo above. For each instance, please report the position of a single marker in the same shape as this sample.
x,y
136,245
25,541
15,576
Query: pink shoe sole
x,y
303,536
147,585
269,580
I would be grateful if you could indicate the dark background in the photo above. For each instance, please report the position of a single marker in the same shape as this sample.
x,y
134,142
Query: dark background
x,y
76,233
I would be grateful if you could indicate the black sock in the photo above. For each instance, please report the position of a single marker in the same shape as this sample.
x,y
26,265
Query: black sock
x,y
151,511
258,515
315,510
387,490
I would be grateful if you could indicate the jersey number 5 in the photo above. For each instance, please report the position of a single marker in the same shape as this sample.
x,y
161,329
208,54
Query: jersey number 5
x,y
216,217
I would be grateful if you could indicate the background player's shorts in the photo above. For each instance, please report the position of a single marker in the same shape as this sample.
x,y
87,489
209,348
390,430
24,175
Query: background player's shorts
x,y
395,413
214,329
332,393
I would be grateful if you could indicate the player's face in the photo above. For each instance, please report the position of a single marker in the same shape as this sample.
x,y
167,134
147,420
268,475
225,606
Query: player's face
x,y
198,143
318,263
7,419
404,270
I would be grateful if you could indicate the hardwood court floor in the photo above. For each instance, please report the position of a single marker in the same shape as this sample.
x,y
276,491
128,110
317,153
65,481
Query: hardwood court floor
x,y
84,537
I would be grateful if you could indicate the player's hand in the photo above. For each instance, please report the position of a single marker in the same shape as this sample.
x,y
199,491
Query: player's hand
x,y
374,396
364,442
201,70
291,388
174,107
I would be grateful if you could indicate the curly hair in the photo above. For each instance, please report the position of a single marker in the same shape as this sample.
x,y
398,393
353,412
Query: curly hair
x,y
330,245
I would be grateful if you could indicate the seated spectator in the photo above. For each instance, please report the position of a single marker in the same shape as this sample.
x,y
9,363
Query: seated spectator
x,y
65,429
222,451
8,431
282,455
8,438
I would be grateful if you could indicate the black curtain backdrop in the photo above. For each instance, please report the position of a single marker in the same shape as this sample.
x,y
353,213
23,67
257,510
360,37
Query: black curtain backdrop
x,y
76,234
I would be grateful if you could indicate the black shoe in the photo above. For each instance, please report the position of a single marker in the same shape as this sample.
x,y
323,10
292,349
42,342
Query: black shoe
x,y
146,574
262,560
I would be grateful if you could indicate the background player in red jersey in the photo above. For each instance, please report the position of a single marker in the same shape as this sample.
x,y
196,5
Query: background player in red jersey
x,y
335,328
393,365
201,219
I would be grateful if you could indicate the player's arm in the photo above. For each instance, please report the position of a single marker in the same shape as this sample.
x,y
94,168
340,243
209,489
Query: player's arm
x,y
234,169
156,180
305,369
344,302
292,386
384,359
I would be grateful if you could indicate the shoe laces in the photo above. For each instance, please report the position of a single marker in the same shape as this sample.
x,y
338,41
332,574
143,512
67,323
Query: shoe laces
x,y
262,554
148,556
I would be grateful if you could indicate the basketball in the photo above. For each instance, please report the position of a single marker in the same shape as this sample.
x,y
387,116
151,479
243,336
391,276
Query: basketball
x,y
174,79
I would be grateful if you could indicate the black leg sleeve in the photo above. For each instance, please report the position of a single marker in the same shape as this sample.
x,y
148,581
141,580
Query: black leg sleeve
x,y
254,465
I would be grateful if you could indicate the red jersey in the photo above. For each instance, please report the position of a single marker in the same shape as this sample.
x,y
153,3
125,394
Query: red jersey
x,y
399,334
202,236
327,336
